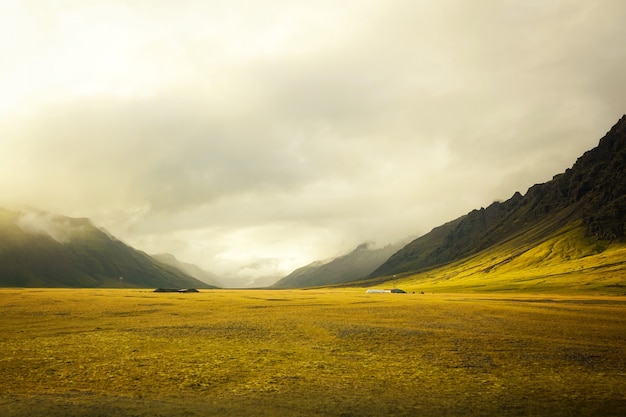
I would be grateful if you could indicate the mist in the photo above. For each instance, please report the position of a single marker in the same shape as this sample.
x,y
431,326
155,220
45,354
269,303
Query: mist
x,y
255,138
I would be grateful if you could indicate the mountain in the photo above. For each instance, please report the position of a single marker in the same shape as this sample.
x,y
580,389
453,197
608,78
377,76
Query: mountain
x,y
586,204
251,282
39,249
356,265
189,269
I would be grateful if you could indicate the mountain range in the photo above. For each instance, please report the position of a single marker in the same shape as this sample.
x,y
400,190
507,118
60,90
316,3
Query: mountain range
x,y
573,223
39,249
356,265
189,269
567,234
563,235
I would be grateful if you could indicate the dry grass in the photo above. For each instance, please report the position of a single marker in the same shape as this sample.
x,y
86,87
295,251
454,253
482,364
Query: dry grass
x,y
568,263
309,353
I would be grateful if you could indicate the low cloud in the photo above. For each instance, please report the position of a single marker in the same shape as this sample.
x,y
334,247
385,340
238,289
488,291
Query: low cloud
x,y
58,228
226,134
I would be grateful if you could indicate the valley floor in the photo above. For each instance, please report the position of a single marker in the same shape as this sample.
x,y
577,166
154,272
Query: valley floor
x,y
309,353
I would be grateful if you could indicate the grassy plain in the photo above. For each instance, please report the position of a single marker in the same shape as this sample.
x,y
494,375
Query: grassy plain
x,y
309,353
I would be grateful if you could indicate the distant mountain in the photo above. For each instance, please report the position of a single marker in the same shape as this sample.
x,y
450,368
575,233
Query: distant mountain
x,y
250,282
354,266
39,249
189,269
590,197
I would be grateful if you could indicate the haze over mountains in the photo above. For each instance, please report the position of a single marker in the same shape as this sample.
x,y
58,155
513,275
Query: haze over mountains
x,y
356,265
579,214
572,226
190,269
593,192
39,249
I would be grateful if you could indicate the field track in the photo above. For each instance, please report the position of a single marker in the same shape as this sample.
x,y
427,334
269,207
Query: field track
x,y
309,353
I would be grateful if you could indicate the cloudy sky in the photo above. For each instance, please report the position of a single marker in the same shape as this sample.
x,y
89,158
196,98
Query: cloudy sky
x,y
253,137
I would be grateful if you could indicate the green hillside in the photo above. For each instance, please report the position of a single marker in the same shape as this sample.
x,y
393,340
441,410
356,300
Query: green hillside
x,y
38,249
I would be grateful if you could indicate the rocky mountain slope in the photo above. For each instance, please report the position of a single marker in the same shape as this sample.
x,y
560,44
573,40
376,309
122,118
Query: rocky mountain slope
x,y
591,196
39,249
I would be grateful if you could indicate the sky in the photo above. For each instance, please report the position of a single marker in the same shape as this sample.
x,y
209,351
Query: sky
x,y
255,137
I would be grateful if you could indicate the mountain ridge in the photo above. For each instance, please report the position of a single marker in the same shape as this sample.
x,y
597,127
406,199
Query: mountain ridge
x,y
39,249
189,269
355,265
592,191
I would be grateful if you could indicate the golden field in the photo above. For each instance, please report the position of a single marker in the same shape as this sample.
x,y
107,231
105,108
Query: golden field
x,y
309,353
566,263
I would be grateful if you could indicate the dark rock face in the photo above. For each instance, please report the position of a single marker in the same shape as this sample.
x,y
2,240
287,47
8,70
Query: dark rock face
x,y
605,211
592,191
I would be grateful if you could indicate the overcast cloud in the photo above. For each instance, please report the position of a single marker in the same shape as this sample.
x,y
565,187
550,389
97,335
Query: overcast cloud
x,y
253,137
